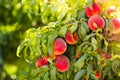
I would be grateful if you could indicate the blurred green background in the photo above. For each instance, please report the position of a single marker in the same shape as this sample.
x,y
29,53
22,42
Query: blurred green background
x,y
14,21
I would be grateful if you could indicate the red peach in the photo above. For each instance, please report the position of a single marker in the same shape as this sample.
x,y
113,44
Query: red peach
x,y
96,22
98,75
110,10
96,9
54,56
62,63
41,62
59,47
116,25
105,55
71,38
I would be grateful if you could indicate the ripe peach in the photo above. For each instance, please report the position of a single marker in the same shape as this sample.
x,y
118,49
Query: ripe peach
x,y
71,38
105,55
54,56
62,63
98,75
116,25
96,22
110,10
41,62
96,9
59,47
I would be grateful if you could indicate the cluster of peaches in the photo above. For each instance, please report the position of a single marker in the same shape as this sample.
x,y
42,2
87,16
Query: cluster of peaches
x,y
95,21
59,48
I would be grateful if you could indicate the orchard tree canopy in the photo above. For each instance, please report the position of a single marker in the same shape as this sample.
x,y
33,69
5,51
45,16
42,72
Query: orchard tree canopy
x,y
59,40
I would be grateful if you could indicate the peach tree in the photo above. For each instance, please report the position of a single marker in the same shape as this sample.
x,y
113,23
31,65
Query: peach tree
x,y
78,40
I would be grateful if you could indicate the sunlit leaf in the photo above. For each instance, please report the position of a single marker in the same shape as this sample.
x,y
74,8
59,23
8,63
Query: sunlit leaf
x,y
62,31
20,48
74,26
43,44
53,73
51,39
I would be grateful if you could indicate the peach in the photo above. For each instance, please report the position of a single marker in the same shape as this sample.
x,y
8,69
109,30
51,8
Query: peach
x,y
41,62
105,55
98,75
96,22
71,38
62,63
110,10
116,25
59,47
96,9
54,56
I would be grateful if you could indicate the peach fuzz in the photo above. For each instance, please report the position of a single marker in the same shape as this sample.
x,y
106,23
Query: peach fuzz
x,y
41,62
71,38
59,47
62,63
116,25
96,22
96,9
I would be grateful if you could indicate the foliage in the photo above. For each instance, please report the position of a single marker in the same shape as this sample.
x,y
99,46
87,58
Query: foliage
x,y
37,24
39,42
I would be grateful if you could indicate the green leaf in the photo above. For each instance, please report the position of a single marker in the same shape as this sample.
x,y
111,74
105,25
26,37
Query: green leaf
x,y
93,76
83,30
88,37
53,73
106,45
90,47
80,62
81,14
62,15
28,54
44,38
74,14
106,70
20,48
97,56
62,31
116,65
60,75
90,2
94,42
79,74
46,76
51,39
74,26
85,25
40,71
89,69
114,47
